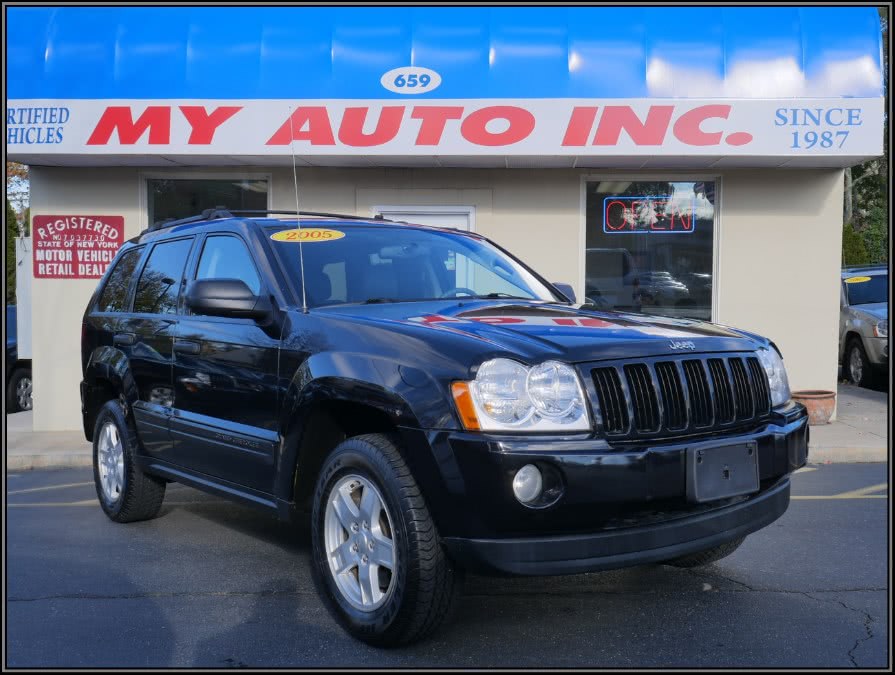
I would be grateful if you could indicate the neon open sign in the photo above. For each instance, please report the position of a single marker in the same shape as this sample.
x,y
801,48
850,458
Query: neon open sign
x,y
651,215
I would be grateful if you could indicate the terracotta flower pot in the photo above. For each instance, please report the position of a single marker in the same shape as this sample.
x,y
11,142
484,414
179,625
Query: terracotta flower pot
x,y
819,403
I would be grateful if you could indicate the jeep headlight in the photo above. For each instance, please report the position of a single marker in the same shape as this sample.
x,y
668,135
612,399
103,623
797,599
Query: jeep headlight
x,y
881,329
773,366
509,396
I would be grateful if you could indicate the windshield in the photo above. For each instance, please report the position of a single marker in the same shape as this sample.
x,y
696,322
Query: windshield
x,y
359,264
863,290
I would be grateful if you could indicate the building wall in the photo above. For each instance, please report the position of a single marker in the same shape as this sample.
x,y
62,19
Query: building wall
x,y
780,256
778,249
59,303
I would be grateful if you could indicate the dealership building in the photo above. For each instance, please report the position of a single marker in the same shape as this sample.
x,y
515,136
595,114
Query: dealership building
x,y
690,157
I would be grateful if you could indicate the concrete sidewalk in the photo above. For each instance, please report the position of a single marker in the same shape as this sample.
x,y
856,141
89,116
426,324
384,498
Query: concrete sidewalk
x,y
27,449
859,434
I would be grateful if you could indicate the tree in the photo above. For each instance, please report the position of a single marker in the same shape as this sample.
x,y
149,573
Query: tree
x,y
866,194
17,185
853,250
12,231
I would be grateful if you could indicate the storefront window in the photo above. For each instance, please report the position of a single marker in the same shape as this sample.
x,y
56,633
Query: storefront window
x,y
181,198
650,246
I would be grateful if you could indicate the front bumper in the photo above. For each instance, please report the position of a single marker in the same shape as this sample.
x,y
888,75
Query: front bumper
x,y
877,350
623,547
619,505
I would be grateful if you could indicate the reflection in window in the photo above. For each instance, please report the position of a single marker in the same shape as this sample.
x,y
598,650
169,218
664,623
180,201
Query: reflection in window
x,y
226,257
398,264
183,197
114,297
650,247
160,280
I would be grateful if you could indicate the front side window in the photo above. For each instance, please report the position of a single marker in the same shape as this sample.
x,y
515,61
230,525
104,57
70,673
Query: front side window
x,y
225,257
114,295
650,246
159,283
395,264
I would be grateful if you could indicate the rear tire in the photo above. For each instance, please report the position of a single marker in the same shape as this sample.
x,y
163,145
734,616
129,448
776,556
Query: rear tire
x,y
414,597
19,391
125,493
707,556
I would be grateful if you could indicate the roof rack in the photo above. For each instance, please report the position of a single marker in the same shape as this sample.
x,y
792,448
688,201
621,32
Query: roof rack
x,y
230,212
224,212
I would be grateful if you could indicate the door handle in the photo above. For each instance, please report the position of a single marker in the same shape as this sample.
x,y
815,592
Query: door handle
x,y
186,347
124,339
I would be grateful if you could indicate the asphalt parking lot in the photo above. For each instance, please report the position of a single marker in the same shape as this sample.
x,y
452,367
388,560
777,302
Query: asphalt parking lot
x,y
213,584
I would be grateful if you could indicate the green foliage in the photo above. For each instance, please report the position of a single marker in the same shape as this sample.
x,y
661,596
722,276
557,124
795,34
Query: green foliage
x,y
876,235
854,252
865,238
12,231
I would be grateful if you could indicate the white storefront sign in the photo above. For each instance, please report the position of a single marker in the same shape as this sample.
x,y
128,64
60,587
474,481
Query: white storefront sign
x,y
611,127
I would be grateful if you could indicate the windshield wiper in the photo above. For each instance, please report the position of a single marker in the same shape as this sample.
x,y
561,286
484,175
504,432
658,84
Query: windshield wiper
x,y
376,301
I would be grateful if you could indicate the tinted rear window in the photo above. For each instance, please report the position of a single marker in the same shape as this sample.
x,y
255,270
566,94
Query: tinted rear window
x,y
114,295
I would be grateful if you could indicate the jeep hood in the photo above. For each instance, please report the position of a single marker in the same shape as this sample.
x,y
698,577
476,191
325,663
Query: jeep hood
x,y
537,330
878,310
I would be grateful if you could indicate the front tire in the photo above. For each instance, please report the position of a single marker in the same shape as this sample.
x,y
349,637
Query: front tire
x,y
708,556
857,365
378,563
126,494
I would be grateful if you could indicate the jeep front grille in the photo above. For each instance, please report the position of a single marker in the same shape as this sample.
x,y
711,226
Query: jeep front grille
x,y
676,396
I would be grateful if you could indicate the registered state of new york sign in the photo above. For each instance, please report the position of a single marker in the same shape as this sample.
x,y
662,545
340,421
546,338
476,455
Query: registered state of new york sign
x,y
75,247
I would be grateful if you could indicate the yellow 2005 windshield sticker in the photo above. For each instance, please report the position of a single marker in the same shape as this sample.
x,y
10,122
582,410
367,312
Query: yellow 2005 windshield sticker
x,y
306,235
856,280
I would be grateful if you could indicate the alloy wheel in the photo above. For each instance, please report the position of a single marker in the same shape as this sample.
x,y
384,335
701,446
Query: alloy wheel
x,y
855,365
110,458
23,393
359,543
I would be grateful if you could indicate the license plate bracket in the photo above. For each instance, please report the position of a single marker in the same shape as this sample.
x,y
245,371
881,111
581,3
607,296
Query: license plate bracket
x,y
721,471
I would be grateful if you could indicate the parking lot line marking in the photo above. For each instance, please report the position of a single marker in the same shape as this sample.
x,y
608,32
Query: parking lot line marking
x,y
860,492
805,469
846,496
94,502
85,502
48,487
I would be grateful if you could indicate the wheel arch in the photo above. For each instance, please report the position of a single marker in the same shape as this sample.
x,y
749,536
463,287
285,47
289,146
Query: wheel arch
x,y
320,425
107,376
336,396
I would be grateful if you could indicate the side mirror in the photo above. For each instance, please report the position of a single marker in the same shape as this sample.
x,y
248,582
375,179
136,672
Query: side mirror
x,y
226,297
566,290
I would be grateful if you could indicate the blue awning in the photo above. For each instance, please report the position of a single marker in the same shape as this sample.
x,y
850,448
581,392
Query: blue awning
x,y
479,52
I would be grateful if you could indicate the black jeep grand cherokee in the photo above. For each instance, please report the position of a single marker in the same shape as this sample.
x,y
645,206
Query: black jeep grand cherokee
x,y
433,402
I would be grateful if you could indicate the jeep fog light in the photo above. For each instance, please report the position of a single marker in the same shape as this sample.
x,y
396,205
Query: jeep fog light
x,y
527,484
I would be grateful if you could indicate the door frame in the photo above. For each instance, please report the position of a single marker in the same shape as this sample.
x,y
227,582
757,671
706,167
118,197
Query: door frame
x,y
411,209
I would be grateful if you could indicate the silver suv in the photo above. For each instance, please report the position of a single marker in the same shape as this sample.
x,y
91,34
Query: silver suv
x,y
864,322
